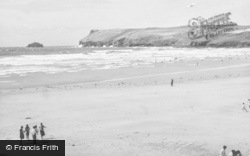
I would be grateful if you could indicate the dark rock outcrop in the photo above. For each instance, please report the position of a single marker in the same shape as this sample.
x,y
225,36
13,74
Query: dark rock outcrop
x,y
35,45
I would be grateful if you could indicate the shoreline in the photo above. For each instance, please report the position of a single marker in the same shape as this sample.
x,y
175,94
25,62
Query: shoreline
x,y
122,80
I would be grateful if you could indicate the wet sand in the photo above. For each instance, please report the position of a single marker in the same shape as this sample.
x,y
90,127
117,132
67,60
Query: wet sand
x,y
135,111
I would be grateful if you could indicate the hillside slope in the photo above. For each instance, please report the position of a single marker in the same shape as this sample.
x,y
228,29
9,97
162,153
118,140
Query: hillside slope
x,y
176,36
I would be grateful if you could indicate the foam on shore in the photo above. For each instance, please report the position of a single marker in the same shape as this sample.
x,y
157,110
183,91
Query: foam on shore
x,y
108,59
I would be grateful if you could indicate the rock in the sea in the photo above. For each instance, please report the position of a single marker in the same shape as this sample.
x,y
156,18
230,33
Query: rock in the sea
x,y
35,45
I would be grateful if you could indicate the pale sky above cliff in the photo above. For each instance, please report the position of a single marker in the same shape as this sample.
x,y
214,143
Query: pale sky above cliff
x,y
65,22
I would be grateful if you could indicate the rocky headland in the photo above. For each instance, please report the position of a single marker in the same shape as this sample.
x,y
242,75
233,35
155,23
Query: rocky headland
x,y
239,36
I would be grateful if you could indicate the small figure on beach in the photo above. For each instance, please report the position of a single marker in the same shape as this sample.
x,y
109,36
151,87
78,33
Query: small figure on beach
x,y
223,151
172,82
27,131
244,107
235,153
232,153
42,130
21,133
238,153
34,132
248,103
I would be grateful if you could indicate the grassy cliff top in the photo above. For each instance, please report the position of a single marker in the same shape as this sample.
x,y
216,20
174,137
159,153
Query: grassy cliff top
x,y
175,36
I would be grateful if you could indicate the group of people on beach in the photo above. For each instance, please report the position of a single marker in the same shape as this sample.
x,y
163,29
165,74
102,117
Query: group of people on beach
x,y
232,153
244,107
34,132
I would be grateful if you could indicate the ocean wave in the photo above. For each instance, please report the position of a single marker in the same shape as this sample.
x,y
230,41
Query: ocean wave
x,y
107,59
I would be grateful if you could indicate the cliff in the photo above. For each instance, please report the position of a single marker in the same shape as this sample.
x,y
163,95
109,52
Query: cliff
x,y
176,36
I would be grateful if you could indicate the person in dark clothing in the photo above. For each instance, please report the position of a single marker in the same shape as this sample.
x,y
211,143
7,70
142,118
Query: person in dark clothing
x,y
232,153
27,131
172,82
21,133
238,153
42,130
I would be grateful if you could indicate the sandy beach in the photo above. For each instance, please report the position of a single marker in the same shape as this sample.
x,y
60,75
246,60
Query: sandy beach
x,y
135,111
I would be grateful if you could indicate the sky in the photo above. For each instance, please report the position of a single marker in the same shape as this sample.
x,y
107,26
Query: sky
x,y
65,22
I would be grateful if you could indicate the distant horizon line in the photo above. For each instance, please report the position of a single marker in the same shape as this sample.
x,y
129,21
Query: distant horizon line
x,y
38,47
106,29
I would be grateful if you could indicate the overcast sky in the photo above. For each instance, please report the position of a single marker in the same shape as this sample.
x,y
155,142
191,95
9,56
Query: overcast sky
x,y
65,22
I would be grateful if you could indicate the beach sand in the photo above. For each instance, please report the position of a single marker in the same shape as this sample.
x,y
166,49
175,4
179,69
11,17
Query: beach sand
x,y
135,111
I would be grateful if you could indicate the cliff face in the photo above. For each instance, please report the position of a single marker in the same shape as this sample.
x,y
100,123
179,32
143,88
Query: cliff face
x,y
177,36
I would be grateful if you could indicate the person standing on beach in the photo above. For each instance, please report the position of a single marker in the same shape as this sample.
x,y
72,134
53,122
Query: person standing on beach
x,y
172,82
223,151
244,107
42,130
232,153
27,131
238,153
34,132
21,133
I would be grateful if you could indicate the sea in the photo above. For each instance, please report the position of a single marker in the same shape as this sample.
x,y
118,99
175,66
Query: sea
x,y
21,61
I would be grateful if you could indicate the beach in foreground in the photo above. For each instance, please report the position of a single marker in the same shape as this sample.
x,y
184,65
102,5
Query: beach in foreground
x,y
135,111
